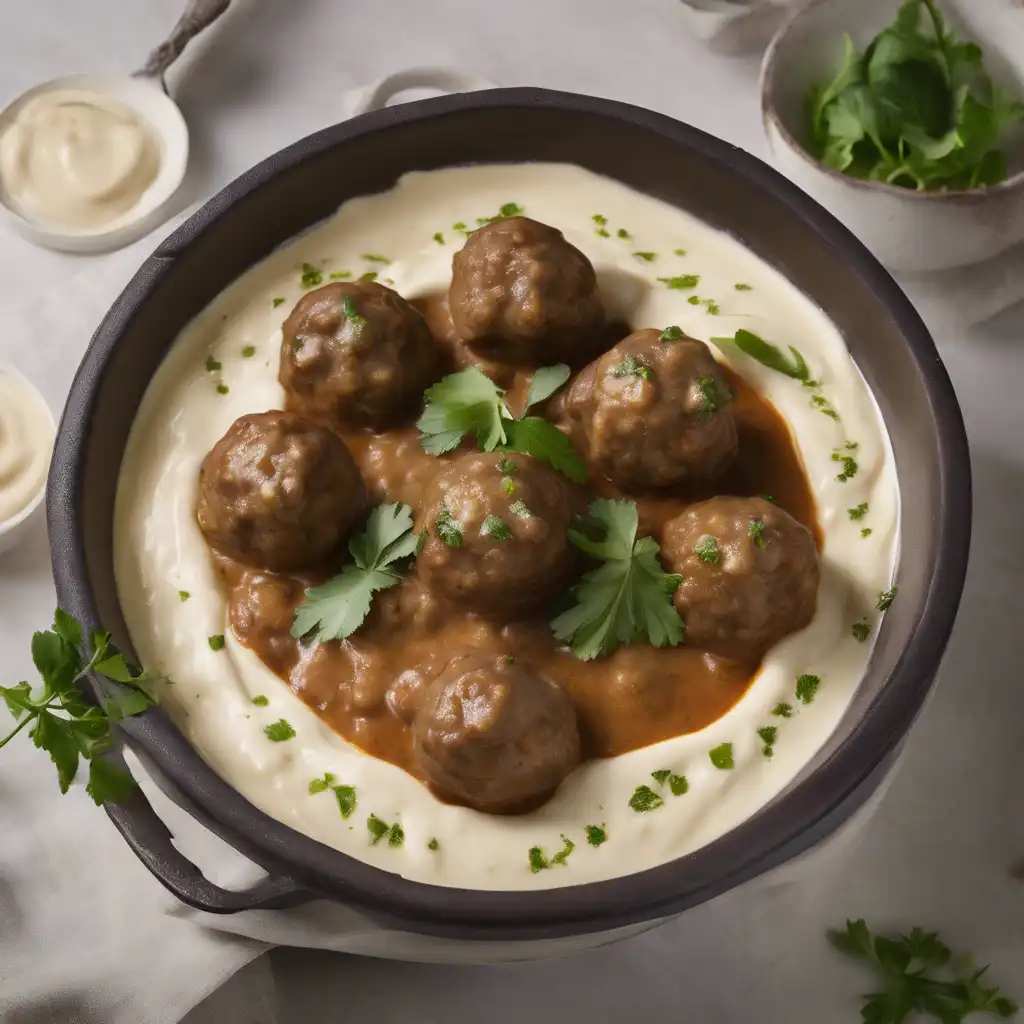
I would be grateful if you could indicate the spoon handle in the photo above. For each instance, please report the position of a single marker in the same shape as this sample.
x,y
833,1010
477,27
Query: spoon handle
x,y
196,16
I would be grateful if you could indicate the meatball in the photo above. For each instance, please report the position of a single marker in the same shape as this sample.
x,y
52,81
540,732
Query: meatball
x,y
522,294
494,735
653,412
278,492
496,533
356,354
750,575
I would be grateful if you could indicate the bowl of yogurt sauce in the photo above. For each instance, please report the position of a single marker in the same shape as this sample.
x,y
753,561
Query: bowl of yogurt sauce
x,y
89,163
27,430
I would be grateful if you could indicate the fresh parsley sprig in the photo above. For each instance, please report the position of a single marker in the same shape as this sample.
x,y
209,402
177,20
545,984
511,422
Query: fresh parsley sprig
x,y
58,717
906,967
470,403
917,109
766,354
625,600
337,608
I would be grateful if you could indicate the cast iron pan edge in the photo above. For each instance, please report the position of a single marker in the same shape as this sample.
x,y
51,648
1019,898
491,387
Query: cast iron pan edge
x,y
305,868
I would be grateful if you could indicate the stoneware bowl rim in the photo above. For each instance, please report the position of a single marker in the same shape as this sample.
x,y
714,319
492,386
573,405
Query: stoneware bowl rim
x,y
302,868
771,119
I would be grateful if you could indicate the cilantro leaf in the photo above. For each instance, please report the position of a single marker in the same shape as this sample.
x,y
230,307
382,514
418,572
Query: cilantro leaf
x,y
468,402
546,381
541,439
625,600
766,354
337,608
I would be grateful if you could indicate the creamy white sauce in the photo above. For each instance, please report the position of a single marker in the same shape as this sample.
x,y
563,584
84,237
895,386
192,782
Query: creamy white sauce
x,y
159,549
77,159
26,442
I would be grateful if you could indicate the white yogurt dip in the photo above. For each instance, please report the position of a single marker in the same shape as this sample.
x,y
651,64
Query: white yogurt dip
x,y
160,551
26,442
77,159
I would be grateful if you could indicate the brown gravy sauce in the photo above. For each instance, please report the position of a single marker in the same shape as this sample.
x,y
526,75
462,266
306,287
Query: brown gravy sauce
x,y
365,688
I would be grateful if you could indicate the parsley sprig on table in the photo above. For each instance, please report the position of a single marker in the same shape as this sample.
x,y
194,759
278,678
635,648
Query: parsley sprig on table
x,y
917,109
626,599
337,608
470,403
58,717
906,967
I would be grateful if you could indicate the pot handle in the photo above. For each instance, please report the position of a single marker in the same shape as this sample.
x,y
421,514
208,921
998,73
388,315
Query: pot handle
x,y
153,843
376,95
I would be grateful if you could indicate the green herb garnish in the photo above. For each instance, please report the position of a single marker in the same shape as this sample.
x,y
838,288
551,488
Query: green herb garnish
x,y
756,530
849,463
599,220
596,834
679,252
628,598
518,508
321,785
396,835
538,862
372,257
337,608
706,549
672,333
184,595
906,966
439,238
721,757
511,210
661,776
279,301
859,512
563,854
212,365
644,799
917,109
216,642
222,389
783,710
340,275
632,367
433,844
59,718
647,257
261,701
678,784
546,381
886,598
448,528
602,233
370,275
378,829
861,630
766,354
312,277
710,397
249,351
346,797
682,282
866,532
279,731
769,734
623,233
496,528
743,287
807,688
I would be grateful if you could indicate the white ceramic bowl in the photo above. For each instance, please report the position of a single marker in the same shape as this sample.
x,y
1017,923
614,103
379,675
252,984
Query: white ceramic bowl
x,y
908,231
145,97
14,530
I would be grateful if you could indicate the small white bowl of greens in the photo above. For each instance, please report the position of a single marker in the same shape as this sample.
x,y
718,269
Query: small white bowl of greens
x,y
906,121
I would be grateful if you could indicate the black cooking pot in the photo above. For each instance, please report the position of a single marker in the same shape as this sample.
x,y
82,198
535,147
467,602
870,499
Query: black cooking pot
x,y
725,187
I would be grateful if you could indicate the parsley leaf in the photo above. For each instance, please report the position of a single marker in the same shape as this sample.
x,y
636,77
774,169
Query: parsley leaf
x,y
721,757
346,797
672,333
807,687
336,609
468,402
546,381
628,598
766,354
448,528
541,439
683,282
62,721
596,834
905,966
279,731
644,799
783,710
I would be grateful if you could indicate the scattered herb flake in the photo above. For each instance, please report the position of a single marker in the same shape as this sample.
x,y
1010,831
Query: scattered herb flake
x,y
279,731
632,367
370,275
396,835
886,598
378,829
372,257
212,365
312,277
545,382
710,396
769,734
433,845
672,333
538,862
346,797
756,530
279,301
563,854
496,528
706,549
249,351
448,529
260,700
647,257
866,532
511,210
623,233
439,238
184,595
661,776
596,834
783,710
644,799
602,233
320,785
861,630
460,225
599,220
518,508
678,784
507,466
859,512
340,275
348,306
679,252
721,757
222,389
216,642
807,687
849,464
743,287
682,282
508,485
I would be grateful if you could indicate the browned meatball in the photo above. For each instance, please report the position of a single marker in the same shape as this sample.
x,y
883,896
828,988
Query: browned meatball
x,y
522,294
750,575
494,735
278,492
356,353
496,533
654,413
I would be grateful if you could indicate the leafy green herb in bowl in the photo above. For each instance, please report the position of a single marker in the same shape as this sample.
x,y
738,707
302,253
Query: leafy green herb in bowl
x,y
905,121
916,108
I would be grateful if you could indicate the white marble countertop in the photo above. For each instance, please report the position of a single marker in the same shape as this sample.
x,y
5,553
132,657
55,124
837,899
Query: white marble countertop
x,y
940,849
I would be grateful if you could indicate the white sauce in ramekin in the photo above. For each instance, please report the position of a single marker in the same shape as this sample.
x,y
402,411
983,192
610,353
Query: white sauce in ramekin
x,y
77,158
26,443
160,551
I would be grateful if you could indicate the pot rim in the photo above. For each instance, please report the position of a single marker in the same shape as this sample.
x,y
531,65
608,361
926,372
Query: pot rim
x,y
765,839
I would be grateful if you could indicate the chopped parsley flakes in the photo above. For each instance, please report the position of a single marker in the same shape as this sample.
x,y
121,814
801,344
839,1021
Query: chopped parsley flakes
x,y
372,257
647,257
448,529
721,757
433,844
682,282
743,287
783,710
866,532
849,463
216,642
596,834
859,512
886,598
496,528
769,734
678,784
672,333
184,595
279,301
378,829
312,277
807,688
279,731
632,367
212,365
439,238
261,701
623,233
599,220
249,351
518,508
340,275
861,630
346,797
710,396
222,389
539,862
757,532
661,777
321,785
644,799
706,549
370,275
